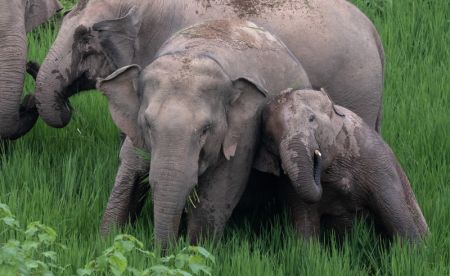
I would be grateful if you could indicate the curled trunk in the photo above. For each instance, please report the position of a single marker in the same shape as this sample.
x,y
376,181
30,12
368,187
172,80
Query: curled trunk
x,y
15,119
303,169
57,80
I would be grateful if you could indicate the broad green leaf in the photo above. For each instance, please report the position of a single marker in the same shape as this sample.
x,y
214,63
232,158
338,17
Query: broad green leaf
x,y
181,260
167,259
205,253
182,272
197,268
5,211
50,254
11,222
118,261
30,245
160,269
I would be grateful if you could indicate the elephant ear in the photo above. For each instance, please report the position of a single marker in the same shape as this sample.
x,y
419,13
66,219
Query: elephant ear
x,y
242,111
118,37
267,162
338,110
121,89
39,11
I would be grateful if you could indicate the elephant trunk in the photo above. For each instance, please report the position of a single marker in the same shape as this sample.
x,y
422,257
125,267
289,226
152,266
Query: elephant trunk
x,y
171,181
15,120
303,168
57,80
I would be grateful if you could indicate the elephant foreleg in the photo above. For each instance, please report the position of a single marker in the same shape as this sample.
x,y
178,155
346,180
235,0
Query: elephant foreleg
x,y
129,192
220,189
219,193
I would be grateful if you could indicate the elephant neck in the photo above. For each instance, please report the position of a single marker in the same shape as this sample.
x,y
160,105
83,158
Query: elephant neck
x,y
158,25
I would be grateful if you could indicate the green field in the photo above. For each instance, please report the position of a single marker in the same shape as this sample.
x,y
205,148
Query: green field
x,y
62,177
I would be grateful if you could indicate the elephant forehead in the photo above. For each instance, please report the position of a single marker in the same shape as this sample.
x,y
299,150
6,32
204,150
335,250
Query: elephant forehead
x,y
185,74
177,109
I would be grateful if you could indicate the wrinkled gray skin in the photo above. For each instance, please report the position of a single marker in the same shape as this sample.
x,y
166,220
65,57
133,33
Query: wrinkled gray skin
x,y
16,19
305,133
338,46
197,109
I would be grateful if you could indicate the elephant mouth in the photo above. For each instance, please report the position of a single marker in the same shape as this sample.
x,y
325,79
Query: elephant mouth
x,y
317,169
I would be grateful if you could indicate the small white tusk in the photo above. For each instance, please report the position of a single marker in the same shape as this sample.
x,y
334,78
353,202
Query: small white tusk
x,y
317,152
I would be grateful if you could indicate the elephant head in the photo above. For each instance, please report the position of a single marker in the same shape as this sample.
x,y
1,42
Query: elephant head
x,y
17,18
96,37
300,129
190,105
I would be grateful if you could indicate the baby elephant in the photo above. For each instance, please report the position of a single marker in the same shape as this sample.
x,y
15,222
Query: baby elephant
x,y
337,167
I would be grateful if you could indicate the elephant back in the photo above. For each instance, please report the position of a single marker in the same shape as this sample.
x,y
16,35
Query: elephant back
x,y
244,51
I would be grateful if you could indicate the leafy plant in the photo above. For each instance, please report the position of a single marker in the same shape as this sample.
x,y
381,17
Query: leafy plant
x,y
34,254
114,259
190,260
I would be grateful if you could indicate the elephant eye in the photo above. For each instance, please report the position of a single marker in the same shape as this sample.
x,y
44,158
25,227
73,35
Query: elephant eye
x,y
205,129
311,118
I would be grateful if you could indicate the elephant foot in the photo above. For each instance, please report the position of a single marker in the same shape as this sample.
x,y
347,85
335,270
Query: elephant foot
x,y
33,69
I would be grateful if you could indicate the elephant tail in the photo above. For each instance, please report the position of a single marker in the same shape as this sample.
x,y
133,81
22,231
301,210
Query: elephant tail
x,y
380,48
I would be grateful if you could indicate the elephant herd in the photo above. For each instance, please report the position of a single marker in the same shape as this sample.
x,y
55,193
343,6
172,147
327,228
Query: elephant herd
x,y
215,90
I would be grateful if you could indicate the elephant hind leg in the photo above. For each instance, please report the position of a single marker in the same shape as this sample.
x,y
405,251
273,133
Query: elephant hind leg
x,y
413,206
397,216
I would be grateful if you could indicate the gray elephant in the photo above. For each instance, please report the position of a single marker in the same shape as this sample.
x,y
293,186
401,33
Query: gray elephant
x,y
16,19
339,47
336,165
196,107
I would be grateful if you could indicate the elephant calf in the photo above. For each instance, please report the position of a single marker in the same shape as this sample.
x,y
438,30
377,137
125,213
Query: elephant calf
x,y
336,166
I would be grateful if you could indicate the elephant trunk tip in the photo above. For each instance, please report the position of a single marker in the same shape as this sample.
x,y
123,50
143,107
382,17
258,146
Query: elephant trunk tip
x,y
59,114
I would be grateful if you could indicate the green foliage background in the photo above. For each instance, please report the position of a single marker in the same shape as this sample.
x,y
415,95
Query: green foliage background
x,y
63,177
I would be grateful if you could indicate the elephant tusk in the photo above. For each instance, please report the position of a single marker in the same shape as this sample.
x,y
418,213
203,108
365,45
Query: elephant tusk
x,y
318,153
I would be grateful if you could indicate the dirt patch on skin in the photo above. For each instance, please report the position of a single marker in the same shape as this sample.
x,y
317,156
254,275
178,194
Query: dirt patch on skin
x,y
245,8
236,34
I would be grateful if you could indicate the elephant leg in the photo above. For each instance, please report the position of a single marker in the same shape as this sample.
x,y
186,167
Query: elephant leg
x,y
219,193
397,213
221,188
341,225
129,192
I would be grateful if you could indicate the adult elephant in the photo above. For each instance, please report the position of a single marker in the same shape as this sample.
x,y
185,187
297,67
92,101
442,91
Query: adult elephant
x,y
16,19
339,47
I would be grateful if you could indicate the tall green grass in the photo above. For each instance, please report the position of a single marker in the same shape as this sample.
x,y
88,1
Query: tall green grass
x,y
63,177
